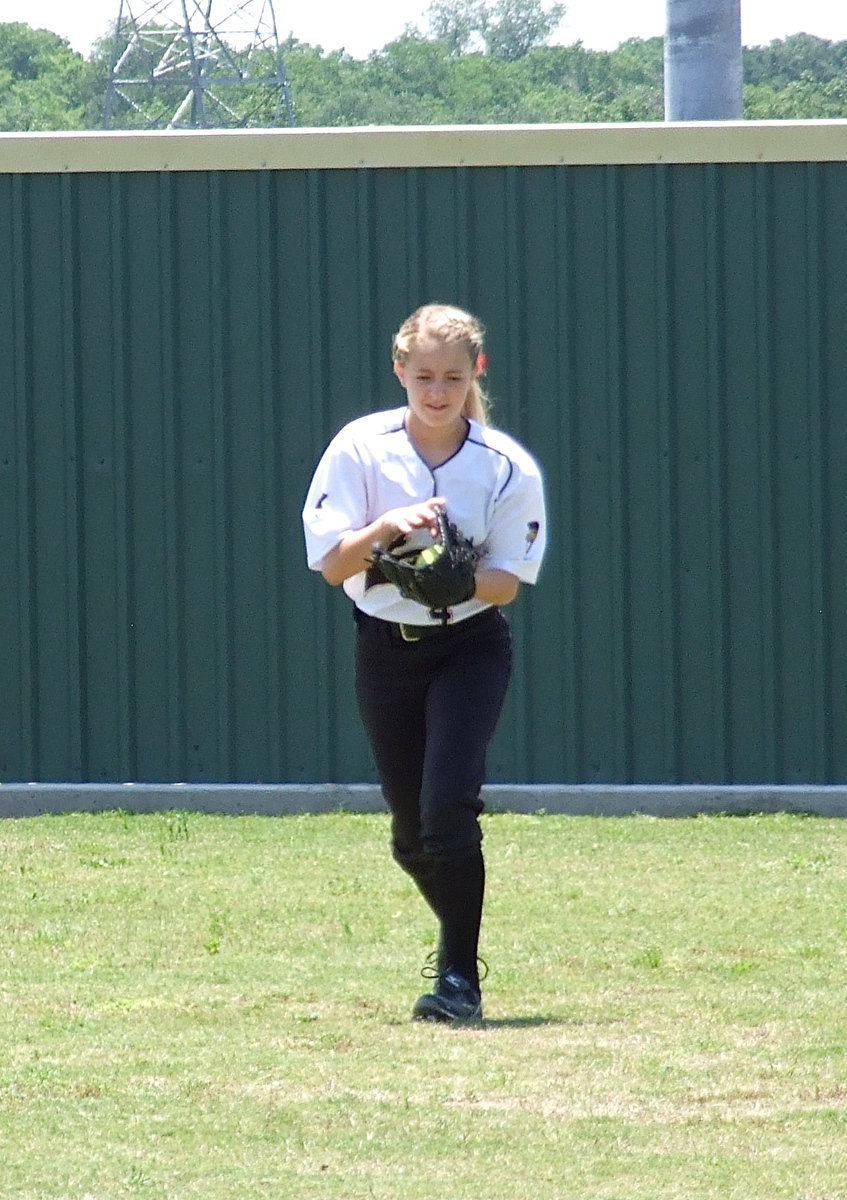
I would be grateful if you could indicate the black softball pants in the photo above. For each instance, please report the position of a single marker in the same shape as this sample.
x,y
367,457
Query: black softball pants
x,y
430,709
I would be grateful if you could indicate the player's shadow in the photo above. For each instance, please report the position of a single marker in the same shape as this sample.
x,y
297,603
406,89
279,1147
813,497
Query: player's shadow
x,y
523,1022
539,1020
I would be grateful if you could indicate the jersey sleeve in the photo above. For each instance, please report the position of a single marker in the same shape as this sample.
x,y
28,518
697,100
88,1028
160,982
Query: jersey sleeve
x,y
517,535
336,501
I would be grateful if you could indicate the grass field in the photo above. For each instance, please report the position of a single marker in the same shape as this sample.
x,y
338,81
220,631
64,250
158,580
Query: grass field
x,y
198,1006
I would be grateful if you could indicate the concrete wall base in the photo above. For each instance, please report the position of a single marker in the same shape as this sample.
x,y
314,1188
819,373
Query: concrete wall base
x,y
272,800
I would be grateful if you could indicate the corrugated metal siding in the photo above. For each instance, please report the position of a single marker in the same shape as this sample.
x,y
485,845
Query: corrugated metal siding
x,y
176,348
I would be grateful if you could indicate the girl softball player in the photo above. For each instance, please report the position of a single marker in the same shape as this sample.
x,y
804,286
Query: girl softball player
x,y
430,693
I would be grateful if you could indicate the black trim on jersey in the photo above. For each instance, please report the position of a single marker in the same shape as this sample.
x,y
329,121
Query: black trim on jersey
x,y
401,428
455,453
494,450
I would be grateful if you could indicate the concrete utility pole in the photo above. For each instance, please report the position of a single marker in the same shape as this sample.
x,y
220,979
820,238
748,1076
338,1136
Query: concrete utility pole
x,y
703,68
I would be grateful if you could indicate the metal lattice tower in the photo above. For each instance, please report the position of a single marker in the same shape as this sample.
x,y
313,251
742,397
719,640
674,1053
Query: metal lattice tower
x,y
197,64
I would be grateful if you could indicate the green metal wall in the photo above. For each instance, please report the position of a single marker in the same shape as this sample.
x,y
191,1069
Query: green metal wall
x,y
177,347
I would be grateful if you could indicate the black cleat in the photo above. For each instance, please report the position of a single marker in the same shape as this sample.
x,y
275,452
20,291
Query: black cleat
x,y
454,1000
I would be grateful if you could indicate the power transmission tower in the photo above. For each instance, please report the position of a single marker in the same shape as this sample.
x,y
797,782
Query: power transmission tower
x,y
196,64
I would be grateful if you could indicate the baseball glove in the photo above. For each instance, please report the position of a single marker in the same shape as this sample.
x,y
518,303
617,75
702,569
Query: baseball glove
x,y
439,576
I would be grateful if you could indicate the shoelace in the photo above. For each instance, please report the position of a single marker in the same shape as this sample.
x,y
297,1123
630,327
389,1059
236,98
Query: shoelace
x,y
430,968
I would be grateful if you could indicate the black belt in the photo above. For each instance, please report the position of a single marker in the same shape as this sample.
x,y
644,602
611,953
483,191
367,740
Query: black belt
x,y
413,633
417,633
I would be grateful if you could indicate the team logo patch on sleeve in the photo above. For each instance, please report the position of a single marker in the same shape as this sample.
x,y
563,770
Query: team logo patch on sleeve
x,y
531,534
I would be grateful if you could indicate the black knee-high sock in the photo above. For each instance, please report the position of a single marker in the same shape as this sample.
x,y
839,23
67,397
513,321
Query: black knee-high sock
x,y
458,887
421,868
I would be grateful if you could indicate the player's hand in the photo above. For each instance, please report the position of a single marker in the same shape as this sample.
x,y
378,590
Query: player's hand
x,y
400,522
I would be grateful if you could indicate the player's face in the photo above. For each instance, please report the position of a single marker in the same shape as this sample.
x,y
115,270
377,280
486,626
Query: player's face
x,y
436,377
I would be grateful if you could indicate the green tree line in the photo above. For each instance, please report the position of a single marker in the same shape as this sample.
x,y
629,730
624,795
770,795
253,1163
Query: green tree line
x,y
476,62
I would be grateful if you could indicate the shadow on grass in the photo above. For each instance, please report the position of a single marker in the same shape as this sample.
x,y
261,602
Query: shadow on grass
x,y
524,1022
536,1022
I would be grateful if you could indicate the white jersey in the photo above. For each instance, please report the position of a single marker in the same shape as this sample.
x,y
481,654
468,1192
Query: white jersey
x,y
492,485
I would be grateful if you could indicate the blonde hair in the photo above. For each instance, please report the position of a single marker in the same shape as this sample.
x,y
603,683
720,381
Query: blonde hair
x,y
451,325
